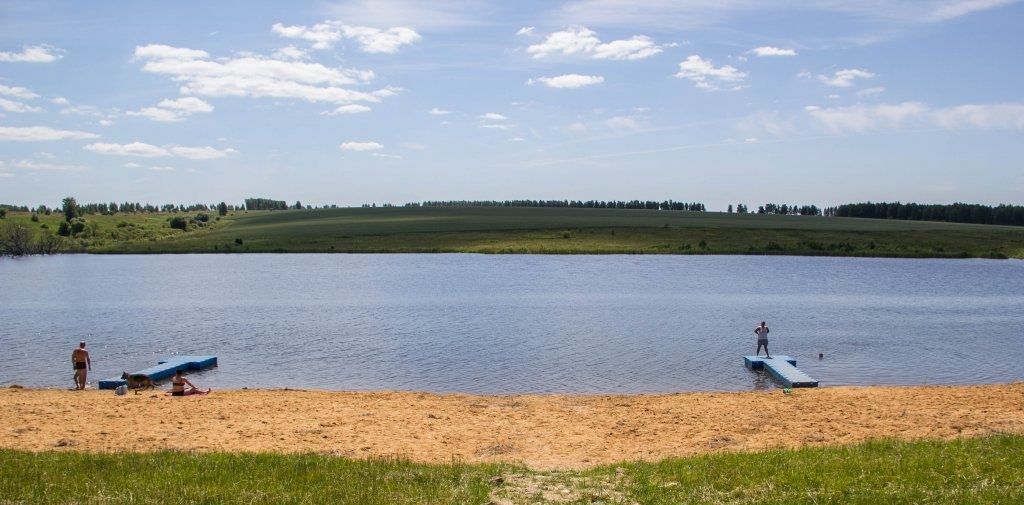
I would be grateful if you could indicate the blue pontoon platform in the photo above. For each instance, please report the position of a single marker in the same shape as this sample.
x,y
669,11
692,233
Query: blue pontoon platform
x,y
165,368
783,369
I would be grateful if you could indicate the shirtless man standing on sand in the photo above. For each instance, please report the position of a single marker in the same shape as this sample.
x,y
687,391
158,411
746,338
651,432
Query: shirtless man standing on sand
x,y
82,364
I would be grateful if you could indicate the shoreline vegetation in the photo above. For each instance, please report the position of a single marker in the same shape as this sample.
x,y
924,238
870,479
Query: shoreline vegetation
x,y
934,444
518,230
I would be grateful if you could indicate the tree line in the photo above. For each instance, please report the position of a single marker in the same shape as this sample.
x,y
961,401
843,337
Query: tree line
x,y
1011,215
573,204
112,208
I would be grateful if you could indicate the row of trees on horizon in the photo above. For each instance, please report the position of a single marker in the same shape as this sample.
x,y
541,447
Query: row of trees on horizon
x,y
1011,215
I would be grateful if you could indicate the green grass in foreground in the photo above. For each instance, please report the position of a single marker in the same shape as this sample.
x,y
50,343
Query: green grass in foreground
x,y
981,470
577,231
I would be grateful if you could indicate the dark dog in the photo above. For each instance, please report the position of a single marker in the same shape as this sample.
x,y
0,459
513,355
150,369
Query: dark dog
x,y
138,381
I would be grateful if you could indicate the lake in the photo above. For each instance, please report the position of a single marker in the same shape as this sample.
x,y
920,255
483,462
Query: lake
x,y
512,323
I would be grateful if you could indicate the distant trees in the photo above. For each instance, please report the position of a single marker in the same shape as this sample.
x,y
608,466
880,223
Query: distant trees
x,y
575,204
785,209
3,213
222,209
730,208
70,208
1010,215
179,223
265,204
18,239
741,208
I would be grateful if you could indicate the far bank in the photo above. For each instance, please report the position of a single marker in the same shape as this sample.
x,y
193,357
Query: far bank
x,y
498,230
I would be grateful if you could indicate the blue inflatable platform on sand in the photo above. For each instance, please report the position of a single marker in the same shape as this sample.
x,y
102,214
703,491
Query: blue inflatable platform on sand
x,y
165,368
783,369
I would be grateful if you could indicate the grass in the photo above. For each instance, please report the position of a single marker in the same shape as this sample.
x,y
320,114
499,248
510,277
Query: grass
x,y
980,470
546,231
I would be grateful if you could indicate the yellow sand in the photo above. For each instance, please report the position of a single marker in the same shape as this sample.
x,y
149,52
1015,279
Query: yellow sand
x,y
542,431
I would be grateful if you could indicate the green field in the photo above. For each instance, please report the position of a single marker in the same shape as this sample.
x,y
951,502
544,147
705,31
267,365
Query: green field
x,y
545,231
982,470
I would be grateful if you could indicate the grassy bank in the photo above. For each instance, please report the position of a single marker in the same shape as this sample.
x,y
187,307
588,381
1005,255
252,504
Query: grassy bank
x,y
546,231
981,470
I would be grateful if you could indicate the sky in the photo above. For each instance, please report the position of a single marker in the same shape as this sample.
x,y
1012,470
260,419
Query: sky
x,y
351,102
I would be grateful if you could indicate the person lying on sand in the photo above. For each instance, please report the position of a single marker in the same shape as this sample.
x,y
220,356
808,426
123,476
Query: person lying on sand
x,y
178,388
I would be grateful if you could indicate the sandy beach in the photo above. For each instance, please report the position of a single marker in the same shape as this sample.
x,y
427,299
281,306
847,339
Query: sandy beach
x,y
541,431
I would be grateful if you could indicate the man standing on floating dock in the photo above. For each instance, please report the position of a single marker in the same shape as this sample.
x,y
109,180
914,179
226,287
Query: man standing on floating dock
x,y
82,364
762,340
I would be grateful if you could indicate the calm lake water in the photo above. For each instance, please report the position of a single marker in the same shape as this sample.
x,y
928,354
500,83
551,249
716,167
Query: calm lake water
x,y
513,324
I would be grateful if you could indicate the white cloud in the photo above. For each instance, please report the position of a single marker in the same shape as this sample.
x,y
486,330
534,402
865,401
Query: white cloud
x,y
580,40
516,139
33,54
60,101
371,40
494,126
634,48
623,124
493,116
416,13
384,155
15,106
17,92
83,110
41,133
361,146
577,127
200,153
526,30
257,77
348,109
144,150
705,75
133,149
764,51
439,112
159,168
568,81
375,40
983,116
290,53
677,14
132,164
105,122
55,167
751,140
187,104
156,114
954,9
173,110
870,91
861,118
844,78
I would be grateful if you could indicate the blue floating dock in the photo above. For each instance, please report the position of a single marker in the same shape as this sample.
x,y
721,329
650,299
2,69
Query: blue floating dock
x,y
783,369
164,369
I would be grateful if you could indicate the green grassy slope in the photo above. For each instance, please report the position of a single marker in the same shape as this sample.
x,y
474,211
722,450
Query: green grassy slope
x,y
537,230
983,470
568,231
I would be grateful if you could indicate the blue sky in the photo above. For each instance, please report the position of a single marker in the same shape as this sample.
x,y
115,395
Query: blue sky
x,y
725,101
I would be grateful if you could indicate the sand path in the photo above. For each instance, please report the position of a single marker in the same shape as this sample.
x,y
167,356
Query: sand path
x,y
542,431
